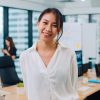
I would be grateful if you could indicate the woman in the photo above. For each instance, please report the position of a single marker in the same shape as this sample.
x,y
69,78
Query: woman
x,y
10,49
49,68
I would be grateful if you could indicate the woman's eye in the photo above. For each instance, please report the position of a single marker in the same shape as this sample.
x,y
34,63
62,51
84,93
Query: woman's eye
x,y
45,23
54,26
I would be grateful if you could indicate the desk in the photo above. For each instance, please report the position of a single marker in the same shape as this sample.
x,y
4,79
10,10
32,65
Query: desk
x,y
88,89
12,93
82,94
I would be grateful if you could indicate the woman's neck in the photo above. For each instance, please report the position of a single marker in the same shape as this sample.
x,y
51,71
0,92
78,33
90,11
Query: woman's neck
x,y
8,47
41,45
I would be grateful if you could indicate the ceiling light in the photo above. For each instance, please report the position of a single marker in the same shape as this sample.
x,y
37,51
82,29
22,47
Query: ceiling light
x,y
83,0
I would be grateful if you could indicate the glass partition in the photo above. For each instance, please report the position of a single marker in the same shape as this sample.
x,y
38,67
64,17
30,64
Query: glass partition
x,y
1,30
34,22
18,30
96,19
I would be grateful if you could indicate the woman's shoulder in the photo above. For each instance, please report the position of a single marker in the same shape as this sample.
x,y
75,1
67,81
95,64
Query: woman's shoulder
x,y
26,52
66,49
13,49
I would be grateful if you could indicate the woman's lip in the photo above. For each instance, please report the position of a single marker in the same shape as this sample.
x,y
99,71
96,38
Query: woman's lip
x,y
46,34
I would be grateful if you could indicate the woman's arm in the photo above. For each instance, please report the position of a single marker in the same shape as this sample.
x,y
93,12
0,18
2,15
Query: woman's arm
x,y
23,70
74,76
12,55
6,52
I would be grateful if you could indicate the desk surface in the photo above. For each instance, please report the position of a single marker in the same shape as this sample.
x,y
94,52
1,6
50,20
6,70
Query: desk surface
x,y
12,93
88,89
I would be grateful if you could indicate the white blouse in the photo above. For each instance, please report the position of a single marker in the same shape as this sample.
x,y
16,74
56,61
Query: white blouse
x,y
57,81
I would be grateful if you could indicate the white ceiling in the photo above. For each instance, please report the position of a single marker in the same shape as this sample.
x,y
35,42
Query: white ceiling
x,y
54,1
68,7
62,3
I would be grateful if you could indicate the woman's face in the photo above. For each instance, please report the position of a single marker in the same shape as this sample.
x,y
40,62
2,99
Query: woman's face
x,y
47,27
7,43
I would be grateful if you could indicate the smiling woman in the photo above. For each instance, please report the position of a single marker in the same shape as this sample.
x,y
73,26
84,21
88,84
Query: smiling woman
x,y
49,68
48,27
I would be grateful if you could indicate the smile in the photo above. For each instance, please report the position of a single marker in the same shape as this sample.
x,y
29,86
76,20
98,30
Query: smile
x,y
47,34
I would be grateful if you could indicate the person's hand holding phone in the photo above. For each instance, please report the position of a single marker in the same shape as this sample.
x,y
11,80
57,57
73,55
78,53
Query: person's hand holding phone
x,y
4,51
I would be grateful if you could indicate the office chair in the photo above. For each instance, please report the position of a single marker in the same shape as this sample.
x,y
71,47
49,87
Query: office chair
x,y
8,73
97,67
93,96
85,67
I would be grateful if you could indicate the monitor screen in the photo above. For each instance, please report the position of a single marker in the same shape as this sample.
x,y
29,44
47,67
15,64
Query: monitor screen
x,y
79,56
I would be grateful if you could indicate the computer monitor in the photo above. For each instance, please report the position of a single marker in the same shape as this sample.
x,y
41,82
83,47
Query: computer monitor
x,y
79,62
79,56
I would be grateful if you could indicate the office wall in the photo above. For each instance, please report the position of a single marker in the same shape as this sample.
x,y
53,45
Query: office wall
x,y
89,43
72,36
81,37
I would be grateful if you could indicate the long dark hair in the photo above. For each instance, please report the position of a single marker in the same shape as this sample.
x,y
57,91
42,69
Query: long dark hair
x,y
11,42
59,19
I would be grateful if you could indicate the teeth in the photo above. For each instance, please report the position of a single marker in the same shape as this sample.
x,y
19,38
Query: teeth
x,y
48,34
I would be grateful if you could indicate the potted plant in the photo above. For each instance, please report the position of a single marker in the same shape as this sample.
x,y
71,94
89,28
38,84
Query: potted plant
x,y
20,88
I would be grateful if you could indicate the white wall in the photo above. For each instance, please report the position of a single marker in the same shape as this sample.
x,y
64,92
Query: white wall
x,y
89,42
72,36
81,37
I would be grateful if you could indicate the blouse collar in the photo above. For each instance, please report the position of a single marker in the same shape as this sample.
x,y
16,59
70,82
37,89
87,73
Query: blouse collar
x,y
60,46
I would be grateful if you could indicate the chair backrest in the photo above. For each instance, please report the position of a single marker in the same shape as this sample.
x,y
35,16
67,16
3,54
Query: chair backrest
x,y
97,67
85,67
6,61
8,73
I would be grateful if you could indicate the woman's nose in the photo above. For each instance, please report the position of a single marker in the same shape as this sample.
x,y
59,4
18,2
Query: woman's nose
x,y
48,28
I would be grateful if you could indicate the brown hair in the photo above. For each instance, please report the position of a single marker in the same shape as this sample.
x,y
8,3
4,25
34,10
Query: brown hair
x,y
11,42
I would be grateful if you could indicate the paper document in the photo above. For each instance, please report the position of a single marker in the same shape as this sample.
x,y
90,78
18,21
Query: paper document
x,y
83,88
2,92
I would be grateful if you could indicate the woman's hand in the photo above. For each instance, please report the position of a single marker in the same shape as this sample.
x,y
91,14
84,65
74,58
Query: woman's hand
x,y
13,57
8,54
5,52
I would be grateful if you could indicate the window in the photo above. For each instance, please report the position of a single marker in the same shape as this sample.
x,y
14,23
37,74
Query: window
x,y
77,18
71,18
34,21
18,30
83,19
1,30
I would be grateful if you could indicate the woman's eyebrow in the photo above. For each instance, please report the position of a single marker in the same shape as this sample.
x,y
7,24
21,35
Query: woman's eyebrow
x,y
45,20
48,21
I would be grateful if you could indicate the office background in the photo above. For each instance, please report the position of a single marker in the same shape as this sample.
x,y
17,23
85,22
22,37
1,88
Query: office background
x,y
18,19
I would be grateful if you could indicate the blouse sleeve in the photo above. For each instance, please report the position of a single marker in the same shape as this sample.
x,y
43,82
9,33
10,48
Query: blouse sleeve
x,y
23,69
74,76
13,51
